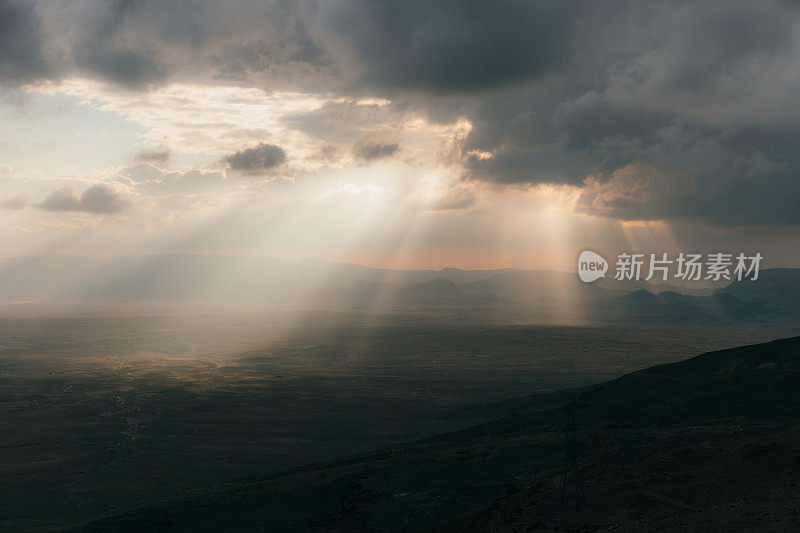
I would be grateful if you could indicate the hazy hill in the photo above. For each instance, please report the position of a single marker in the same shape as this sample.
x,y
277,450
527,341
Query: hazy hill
x,y
707,443
778,289
670,305
184,277
518,295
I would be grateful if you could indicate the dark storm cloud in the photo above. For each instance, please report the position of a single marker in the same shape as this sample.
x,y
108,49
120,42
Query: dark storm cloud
x,y
548,137
450,46
88,38
97,199
374,150
648,165
103,50
293,46
257,160
120,66
694,122
666,109
140,43
709,41
432,46
21,56
732,178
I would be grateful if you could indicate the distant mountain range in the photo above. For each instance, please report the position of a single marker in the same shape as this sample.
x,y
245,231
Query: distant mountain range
x,y
513,294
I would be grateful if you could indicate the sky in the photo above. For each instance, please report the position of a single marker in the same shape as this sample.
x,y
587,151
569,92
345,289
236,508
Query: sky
x,y
400,134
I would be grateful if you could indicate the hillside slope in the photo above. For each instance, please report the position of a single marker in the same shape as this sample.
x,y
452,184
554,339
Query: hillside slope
x,y
710,443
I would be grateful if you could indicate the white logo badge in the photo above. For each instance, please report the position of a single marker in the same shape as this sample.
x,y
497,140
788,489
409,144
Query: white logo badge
x,y
591,266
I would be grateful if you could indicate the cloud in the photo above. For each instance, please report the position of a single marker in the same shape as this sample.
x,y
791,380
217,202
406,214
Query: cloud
x,y
129,68
450,47
372,151
448,198
718,179
257,160
344,122
148,178
97,199
140,44
664,109
721,62
21,55
691,123
63,199
14,203
160,156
